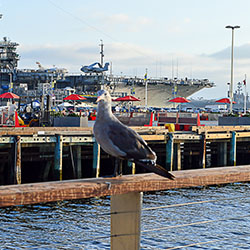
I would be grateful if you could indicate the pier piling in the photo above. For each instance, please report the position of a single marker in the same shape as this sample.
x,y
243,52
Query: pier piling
x,y
96,159
232,158
58,158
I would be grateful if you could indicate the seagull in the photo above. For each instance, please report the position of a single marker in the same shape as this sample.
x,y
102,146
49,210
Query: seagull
x,y
122,142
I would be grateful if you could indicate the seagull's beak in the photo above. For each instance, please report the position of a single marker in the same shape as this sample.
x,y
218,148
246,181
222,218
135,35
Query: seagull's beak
x,y
99,98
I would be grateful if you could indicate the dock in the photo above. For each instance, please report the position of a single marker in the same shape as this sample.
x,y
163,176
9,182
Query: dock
x,y
52,153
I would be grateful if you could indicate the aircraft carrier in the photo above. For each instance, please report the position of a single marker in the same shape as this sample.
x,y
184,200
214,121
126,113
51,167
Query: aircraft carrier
x,y
55,81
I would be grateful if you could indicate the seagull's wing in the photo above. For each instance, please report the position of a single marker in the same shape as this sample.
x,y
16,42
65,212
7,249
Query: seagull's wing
x,y
128,141
136,149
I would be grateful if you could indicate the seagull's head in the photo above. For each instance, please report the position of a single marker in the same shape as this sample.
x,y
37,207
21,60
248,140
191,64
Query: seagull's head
x,y
103,96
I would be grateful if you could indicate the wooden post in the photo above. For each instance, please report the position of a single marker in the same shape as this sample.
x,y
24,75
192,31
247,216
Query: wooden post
x,y
222,154
58,158
96,159
169,152
78,162
132,166
232,159
126,221
45,174
178,155
17,165
203,151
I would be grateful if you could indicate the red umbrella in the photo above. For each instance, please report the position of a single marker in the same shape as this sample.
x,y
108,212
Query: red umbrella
x,y
179,100
225,100
9,95
127,98
74,97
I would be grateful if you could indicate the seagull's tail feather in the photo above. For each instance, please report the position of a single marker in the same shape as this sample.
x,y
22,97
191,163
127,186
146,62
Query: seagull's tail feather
x,y
157,169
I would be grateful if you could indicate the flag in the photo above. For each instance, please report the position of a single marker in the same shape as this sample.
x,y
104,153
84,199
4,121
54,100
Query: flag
x,y
245,82
146,77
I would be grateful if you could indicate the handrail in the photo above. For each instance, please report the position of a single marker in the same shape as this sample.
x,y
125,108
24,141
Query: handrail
x,y
85,188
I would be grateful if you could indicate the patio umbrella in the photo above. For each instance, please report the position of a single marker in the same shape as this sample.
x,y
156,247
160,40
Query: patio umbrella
x,y
74,97
127,98
179,100
225,100
9,95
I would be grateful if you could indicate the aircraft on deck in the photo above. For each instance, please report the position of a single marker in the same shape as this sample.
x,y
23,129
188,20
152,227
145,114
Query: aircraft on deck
x,y
51,70
92,69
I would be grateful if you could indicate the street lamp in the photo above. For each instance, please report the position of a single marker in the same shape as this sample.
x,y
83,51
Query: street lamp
x,y
232,56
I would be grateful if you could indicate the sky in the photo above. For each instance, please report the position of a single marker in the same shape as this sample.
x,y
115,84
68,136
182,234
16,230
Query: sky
x,y
168,38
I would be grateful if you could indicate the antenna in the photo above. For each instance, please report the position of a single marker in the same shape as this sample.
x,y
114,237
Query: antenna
x,y
101,52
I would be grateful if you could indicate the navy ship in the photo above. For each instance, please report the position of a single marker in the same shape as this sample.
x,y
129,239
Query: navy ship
x,y
54,81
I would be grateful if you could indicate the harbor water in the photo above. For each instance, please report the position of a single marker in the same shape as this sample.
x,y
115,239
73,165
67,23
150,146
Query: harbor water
x,y
215,217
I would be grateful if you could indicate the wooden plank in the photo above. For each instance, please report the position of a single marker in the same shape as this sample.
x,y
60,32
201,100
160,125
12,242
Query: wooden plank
x,y
215,136
126,211
153,137
182,136
85,188
209,129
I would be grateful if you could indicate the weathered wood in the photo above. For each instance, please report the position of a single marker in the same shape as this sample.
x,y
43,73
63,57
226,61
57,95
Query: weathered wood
x,y
132,166
78,161
126,221
57,172
232,157
169,152
222,154
17,166
153,137
209,129
203,151
85,188
96,159
178,153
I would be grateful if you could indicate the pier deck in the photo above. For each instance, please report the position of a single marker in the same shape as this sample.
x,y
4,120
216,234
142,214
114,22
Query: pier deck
x,y
50,153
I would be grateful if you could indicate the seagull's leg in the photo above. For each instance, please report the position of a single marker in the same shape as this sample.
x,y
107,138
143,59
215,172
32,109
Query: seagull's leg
x,y
118,167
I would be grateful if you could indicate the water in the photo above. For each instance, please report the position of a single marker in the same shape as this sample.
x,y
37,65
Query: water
x,y
84,224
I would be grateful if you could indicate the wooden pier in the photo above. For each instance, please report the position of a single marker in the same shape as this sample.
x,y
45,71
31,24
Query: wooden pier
x,y
47,154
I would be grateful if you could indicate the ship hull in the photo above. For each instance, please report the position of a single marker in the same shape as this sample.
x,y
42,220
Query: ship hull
x,y
157,95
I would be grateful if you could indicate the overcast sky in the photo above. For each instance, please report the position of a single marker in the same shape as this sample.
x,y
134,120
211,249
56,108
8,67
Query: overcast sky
x,y
184,38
